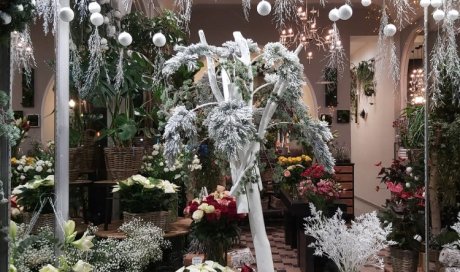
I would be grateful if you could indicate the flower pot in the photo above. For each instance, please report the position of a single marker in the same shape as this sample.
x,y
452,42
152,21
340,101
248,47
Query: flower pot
x,y
123,162
158,218
404,260
45,220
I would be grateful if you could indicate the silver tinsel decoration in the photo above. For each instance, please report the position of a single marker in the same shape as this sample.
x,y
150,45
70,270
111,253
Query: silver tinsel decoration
x,y
96,63
185,10
180,125
246,8
81,6
403,11
336,57
231,128
47,9
75,62
119,77
387,50
285,10
126,4
22,52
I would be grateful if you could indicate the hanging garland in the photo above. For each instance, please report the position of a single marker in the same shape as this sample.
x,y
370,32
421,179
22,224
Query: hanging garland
x,y
14,16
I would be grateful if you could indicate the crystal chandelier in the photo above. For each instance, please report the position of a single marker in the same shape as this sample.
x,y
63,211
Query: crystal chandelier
x,y
417,87
307,33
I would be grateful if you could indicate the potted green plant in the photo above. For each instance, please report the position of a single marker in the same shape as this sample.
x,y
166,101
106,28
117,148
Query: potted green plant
x,y
36,198
405,211
146,198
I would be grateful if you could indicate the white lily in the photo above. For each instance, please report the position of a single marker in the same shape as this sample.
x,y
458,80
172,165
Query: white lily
x,y
82,266
84,243
49,268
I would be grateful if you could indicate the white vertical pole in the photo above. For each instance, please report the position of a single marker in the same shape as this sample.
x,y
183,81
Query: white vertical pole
x,y
426,138
62,121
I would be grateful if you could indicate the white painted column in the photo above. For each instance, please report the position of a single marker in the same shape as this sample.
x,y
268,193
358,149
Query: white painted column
x,y
62,121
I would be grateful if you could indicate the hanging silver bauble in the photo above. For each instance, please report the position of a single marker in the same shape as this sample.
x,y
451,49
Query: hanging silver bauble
x,y
366,3
345,12
334,15
436,3
125,39
438,15
66,14
452,15
389,30
264,8
425,3
94,7
159,40
96,19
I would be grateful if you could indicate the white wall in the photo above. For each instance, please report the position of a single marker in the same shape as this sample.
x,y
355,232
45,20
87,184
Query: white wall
x,y
372,139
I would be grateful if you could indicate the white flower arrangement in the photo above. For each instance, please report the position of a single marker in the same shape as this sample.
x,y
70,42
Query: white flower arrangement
x,y
28,168
147,183
349,247
207,266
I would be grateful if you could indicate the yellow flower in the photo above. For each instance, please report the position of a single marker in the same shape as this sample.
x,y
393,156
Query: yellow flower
x,y
306,158
30,160
14,161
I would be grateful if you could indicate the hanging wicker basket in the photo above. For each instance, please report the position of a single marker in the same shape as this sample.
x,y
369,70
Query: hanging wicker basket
x,y
74,164
123,162
159,218
404,260
43,220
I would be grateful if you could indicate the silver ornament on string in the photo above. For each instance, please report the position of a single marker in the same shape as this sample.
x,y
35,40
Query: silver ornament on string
x,y
345,12
264,8
389,30
97,19
66,14
159,39
334,15
94,7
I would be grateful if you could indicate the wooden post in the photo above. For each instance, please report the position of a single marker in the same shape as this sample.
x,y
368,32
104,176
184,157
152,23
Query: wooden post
x,y
61,136
4,160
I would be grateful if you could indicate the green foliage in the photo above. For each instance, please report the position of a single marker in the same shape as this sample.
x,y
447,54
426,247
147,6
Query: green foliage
x,y
410,127
7,124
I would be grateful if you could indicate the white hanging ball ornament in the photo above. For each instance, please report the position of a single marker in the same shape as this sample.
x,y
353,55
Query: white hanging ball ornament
x,y
66,14
366,3
94,7
452,15
425,3
6,18
106,20
125,38
436,3
345,12
264,8
159,40
389,30
334,15
96,19
20,7
103,41
438,15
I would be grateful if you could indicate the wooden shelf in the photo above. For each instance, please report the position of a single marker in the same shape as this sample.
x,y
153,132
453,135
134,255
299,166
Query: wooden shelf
x,y
345,174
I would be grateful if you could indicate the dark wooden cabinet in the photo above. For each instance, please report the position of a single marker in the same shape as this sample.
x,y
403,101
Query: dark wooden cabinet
x,y
345,174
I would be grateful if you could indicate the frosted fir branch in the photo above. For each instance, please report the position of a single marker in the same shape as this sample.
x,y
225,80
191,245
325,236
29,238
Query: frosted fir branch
x,y
96,62
81,7
284,10
394,62
180,125
231,128
436,62
47,9
246,8
349,247
387,50
119,77
230,48
126,4
185,11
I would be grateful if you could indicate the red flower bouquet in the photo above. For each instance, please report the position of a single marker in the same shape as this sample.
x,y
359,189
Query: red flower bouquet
x,y
215,222
319,187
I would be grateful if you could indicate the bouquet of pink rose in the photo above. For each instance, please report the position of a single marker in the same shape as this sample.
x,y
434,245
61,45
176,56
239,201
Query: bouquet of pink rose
x,y
319,187
215,222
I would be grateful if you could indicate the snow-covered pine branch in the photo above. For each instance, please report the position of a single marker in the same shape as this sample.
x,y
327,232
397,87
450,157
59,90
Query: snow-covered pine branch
x,y
349,247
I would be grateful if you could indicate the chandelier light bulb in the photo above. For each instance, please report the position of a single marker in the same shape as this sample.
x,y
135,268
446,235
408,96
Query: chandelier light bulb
x,y
94,7
264,8
125,39
389,30
345,12
96,19
452,15
438,15
66,14
425,3
334,15
366,3
159,39
436,3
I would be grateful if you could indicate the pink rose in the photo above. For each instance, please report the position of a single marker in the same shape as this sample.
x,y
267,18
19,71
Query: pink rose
x,y
286,173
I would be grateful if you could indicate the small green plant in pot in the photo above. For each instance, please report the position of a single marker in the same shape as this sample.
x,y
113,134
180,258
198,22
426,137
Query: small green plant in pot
x,y
146,198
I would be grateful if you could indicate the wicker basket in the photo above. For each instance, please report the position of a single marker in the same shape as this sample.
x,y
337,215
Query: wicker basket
x,y
145,142
123,162
404,260
74,164
44,220
88,151
159,219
